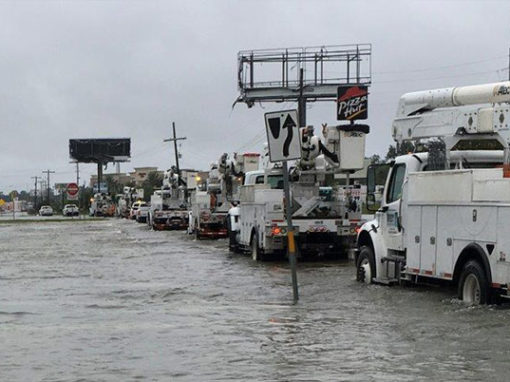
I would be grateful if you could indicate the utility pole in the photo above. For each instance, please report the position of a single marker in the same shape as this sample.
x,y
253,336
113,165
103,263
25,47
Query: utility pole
x,y
78,184
175,139
35,192
48,172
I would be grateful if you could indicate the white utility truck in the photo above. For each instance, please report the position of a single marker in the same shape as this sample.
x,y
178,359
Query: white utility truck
x,y
125,200
325,215
445,213
209,209
169,205
101,205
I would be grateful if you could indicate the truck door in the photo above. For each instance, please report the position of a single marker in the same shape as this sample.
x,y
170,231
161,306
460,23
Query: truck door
x,y
389,214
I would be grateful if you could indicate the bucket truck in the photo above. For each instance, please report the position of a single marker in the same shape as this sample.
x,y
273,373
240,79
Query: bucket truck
x,y
445,213
169,206
208,217
101,205
325,215
125,200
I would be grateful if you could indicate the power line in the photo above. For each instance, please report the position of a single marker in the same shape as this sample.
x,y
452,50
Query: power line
x,y
438,78
442,66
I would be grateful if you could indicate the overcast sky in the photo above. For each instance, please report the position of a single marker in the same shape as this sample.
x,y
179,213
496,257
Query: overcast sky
x,y
106,69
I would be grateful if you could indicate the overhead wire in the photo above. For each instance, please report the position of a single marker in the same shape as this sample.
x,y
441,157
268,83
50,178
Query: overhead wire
x,y
442,66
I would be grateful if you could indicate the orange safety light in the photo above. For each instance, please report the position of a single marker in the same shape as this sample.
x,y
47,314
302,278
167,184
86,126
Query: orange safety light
x,y
276,230
506,171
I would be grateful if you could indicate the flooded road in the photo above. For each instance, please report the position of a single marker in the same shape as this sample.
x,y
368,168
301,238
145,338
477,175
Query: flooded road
x,y
111,301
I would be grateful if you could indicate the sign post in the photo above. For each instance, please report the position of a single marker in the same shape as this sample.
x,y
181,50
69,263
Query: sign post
x,y
284,145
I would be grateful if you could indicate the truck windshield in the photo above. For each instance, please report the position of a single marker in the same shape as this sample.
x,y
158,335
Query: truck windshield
x,y
275,181
396,181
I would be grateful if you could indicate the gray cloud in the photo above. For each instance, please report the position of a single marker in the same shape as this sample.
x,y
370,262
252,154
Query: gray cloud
x,y
128,69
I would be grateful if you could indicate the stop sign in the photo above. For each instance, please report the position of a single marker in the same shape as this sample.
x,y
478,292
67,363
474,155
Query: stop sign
x,y
72,189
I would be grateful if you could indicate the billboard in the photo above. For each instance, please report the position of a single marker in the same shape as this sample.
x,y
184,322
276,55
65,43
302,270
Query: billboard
x,y
100,150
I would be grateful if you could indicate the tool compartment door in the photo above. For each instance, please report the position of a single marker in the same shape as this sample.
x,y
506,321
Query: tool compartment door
x,y
428,240
412,233
446,223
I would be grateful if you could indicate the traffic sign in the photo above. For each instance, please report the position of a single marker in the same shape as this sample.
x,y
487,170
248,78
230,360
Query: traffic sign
x,y
72,191
283,135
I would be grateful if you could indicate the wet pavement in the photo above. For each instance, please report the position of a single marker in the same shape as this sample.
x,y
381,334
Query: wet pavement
x,y
112,301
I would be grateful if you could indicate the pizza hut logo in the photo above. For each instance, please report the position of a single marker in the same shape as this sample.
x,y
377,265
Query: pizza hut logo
x,y
352,103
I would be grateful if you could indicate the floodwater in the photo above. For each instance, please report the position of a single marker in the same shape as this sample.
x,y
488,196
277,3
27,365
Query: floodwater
x,y
112,301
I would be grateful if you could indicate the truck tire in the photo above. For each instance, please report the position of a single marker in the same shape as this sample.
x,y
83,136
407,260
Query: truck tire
x,y
232,242
365,266
473,285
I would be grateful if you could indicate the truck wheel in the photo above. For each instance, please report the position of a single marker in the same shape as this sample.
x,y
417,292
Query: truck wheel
x,y
365,266
232,243
473,284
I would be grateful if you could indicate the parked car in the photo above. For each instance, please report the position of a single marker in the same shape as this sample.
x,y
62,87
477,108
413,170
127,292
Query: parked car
x,y
71,210
134,208
142,212
46,211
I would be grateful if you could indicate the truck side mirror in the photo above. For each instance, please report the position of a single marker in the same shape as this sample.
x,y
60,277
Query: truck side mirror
x,y
371,203
376,176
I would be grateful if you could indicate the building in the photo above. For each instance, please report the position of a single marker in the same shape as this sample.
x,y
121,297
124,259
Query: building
x,y
121,178
141,173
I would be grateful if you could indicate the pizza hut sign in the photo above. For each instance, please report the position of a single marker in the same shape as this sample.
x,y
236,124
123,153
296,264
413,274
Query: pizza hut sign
x,y
352,103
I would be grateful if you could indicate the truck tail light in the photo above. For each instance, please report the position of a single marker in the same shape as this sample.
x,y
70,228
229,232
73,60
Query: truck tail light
x,y
275,231
506,171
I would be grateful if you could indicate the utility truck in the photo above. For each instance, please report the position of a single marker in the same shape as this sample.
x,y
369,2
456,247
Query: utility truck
x,y
169,205
101,205
209,211
125,200
445,213
325,214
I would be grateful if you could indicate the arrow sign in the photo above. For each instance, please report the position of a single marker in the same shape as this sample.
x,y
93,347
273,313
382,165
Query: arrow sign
x,y
283,135
289,124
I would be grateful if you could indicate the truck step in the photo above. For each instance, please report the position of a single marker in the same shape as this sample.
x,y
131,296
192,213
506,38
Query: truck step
x,y
386,281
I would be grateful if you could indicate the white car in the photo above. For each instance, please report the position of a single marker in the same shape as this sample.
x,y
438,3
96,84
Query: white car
x,y
133,210
46,211
71,210
142,212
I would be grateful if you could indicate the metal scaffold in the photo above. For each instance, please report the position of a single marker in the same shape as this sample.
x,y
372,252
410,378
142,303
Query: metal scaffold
x,y
313,73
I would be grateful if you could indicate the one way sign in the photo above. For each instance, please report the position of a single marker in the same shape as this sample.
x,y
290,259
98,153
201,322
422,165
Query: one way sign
x,y
283,135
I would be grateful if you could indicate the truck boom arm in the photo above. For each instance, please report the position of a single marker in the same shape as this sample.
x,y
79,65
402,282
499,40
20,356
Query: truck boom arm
x,y
454,114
